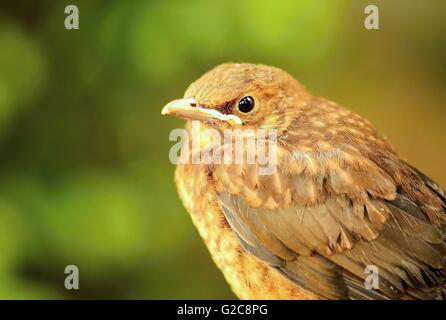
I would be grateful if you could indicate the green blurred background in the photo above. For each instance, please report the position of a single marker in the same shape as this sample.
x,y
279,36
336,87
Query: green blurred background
x,y
84,172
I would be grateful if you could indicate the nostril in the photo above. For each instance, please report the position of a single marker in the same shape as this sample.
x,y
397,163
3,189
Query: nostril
x,y
193,105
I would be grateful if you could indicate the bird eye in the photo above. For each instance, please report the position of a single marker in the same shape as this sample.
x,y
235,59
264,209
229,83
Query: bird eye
x,y
246,104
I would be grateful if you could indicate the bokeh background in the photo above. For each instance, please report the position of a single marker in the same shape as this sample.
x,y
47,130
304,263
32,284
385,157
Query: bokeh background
x,y
84,171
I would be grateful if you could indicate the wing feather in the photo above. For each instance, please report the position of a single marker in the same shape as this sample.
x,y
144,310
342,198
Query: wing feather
x,y
318,219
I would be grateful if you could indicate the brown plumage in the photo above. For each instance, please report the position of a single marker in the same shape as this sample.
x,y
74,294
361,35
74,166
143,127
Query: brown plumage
x,y
340,200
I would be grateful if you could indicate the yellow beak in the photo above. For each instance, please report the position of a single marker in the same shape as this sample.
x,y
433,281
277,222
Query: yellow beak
x,y
189,109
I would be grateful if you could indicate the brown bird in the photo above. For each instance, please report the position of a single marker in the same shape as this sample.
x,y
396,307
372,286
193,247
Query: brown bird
x,y
340,202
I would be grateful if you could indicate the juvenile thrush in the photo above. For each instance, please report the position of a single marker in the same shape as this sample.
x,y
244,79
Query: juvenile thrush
x,y
340,202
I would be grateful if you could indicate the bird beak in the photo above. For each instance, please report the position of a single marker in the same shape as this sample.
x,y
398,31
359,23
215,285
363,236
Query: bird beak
x,y
189,109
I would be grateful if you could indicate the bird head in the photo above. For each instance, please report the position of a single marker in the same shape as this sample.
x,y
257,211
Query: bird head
x,y
240,96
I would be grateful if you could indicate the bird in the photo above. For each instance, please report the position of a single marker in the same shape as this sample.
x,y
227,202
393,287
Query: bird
x,y
340,207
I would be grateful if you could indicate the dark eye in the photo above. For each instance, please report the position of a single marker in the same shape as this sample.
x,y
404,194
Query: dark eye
x,y
246,104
